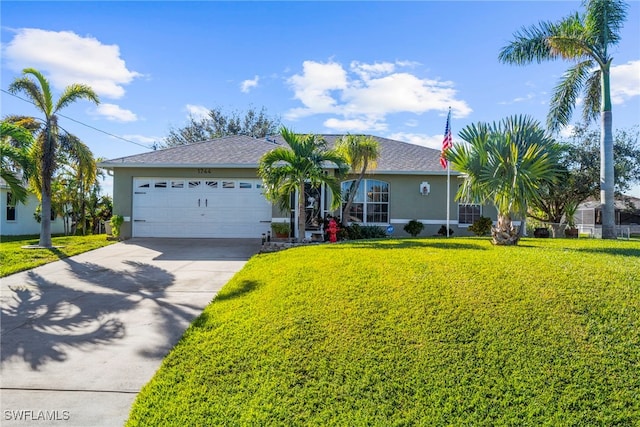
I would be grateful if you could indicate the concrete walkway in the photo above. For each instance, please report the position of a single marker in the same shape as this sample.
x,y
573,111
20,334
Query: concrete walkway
x,y
81,336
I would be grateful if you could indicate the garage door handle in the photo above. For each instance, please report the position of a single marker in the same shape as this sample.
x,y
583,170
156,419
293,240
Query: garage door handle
x,y
198,202
206,203
139,220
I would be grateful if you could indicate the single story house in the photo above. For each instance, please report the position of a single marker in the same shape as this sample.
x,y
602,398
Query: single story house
x,y
588,216
212,189
17,219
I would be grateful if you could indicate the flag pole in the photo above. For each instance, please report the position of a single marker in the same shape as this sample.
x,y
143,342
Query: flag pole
x,y
448,193
447,143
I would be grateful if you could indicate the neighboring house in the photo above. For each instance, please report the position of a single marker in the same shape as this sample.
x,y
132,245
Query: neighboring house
x,y
17,219
627,213
211,189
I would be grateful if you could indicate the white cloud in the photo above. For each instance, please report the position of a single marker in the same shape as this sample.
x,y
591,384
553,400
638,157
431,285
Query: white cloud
x,y
65,58
354,125
364,95
516,100
148,140
419,139
625,81
313,88
567,131
246,85
198,112
115,113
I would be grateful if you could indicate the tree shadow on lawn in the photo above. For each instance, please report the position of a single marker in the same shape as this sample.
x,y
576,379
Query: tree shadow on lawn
x,y
42,320
627,252
244,288
410,243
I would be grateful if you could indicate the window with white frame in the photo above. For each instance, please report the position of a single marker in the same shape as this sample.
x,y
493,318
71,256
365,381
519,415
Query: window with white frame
x,y
371,202
11,207
468,213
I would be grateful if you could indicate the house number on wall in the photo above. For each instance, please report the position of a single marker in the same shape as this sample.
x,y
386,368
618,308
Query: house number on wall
x,y
204,170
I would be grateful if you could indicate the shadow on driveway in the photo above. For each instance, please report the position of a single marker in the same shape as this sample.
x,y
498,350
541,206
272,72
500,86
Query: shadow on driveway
x,y
42,319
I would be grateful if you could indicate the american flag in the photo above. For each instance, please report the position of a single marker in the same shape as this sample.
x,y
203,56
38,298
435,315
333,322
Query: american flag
x,y
447,142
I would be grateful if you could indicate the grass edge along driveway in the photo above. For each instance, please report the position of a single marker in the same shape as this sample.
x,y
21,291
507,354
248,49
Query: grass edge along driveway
x,y
14,259
413,332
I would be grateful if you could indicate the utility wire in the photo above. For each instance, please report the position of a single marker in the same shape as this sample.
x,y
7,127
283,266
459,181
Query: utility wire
x,y
153,147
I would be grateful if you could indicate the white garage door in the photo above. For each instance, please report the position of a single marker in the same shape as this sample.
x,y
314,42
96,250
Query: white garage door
x,y
181,207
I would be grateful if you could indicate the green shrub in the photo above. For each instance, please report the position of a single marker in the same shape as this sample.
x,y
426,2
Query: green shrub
x,y
414,227
443,231
482,226
116,221
357,232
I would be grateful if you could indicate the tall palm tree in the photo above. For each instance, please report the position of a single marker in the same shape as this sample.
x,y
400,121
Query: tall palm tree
x,y
505,163
51,139
361,152
584,40
285,170
15,146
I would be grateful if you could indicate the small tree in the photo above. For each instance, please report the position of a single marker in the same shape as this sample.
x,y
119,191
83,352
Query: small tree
x,y
285,170
481,226
505,163
414,227
361,153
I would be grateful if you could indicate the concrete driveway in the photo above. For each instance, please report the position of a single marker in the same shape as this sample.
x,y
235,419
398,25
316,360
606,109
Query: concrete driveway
x,y
81,336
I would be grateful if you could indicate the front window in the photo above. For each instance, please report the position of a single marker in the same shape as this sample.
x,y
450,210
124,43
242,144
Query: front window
x,y
11,207
371,201
468,213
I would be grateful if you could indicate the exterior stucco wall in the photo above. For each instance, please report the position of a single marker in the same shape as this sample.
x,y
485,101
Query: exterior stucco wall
x,y
405,200
123,185
407,203
25,223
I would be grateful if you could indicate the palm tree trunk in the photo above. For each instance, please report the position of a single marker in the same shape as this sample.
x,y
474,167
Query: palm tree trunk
x,y
607,176
504,233
45,223
302,218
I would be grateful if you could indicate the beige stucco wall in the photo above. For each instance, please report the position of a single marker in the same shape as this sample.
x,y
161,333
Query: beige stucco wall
x,y
405,200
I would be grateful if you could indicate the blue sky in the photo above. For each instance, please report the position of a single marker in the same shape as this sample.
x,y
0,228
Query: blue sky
x,y
390,69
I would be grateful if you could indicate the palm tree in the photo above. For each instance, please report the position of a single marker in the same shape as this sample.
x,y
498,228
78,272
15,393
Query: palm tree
x,y
505,163
584,40
361,152
285,170
51,139
15,143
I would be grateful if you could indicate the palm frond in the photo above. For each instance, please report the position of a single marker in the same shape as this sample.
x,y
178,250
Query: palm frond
x,y
565,94
529,45
592,98
604,21
73,93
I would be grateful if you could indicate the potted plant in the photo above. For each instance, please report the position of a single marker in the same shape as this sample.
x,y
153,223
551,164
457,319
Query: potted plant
x,y
116,221
569,213
281,229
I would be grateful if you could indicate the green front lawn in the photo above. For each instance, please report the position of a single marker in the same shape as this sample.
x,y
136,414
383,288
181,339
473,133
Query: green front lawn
x,y
413,332
14,259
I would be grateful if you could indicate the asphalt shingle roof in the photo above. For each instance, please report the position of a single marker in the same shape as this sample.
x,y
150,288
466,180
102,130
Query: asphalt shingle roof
x,y
245,151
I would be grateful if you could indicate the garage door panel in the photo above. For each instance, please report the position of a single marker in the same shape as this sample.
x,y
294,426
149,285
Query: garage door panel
x,y
171,207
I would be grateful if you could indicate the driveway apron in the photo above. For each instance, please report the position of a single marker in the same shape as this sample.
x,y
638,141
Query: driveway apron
x,y
81,336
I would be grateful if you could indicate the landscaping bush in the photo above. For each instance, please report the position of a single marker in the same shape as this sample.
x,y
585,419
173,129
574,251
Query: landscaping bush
x,y
481,226
357,232
414,227
443,231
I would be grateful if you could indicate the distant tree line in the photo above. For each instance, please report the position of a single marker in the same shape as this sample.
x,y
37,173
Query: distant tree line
x,y
218,123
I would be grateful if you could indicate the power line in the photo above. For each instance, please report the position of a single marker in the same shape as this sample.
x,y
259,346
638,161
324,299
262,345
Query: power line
x,y
84,124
